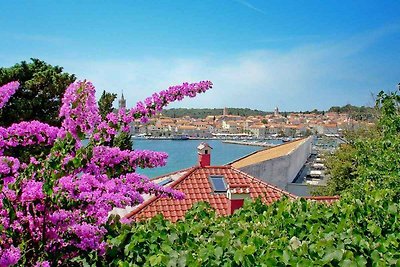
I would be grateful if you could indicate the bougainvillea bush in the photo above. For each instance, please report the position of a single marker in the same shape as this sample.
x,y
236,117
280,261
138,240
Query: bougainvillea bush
x,y
54,208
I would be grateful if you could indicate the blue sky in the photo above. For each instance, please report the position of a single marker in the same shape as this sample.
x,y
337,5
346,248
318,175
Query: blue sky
x,y
297,55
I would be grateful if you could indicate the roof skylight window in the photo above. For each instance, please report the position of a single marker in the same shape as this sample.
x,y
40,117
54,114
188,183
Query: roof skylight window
x,y
218,183
164,182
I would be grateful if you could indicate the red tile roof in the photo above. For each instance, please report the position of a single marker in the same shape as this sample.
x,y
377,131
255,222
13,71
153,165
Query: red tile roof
x,y
196,186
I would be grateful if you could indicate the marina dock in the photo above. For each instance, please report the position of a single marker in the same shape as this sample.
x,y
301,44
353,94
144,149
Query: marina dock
x,y
249,143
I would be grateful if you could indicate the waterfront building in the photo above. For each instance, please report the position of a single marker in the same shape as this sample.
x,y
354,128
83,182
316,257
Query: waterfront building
x,y
258,130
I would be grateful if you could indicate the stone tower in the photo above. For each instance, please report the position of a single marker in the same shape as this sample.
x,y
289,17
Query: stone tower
x,y
122,102
225,113
276,112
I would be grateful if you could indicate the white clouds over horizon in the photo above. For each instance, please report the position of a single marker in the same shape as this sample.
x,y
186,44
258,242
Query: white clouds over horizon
x,y
304,77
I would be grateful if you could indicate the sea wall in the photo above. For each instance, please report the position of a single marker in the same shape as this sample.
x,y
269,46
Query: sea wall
x,y
282,170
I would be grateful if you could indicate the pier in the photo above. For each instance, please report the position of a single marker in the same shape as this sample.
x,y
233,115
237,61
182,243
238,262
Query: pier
x,y
249,143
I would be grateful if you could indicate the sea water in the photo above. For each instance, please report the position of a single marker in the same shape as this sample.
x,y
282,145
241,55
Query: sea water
x,y
183,153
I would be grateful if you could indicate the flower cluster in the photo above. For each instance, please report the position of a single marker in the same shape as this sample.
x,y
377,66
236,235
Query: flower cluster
x,y
106,158
53,208
10,256
79,109
9,166
157,102
27,134
6,91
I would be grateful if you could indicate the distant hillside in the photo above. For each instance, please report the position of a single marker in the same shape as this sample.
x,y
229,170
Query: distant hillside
x,y
204,112
359,113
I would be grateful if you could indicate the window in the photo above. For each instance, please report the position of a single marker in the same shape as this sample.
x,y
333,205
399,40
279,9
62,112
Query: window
x,y
164,182
218,183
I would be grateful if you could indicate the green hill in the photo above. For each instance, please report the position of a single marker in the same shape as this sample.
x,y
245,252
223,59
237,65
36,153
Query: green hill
x,y
204,112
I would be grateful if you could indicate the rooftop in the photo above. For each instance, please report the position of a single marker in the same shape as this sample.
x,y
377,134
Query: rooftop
x,y
197,186
267,154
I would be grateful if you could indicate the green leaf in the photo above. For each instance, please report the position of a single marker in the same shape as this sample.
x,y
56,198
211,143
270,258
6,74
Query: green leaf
x,y
375,256
155,260
374,229
172,237
249,249
286,257
361,261
218,252
333,254
348,263
238,257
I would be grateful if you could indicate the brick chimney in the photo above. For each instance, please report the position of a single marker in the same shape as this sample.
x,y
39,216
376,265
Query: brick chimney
x,y
236,195
204,152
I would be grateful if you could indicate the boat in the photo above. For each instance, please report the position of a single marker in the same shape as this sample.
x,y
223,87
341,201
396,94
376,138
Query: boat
x,y
180,137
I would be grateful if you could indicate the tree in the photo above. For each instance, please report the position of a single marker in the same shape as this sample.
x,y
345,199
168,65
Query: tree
x,y
371,155
341,170
106,103
39,97
123,140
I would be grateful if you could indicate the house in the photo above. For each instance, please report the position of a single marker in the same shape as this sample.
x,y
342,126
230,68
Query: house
x,y
330,129
258,130
224,187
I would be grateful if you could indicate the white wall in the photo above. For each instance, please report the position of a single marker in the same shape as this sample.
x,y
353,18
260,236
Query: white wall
x,y
281,171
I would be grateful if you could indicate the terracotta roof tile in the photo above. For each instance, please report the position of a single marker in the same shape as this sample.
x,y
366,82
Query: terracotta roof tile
x,y
196,186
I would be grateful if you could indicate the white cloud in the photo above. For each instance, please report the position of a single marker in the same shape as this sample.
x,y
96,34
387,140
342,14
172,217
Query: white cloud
x,y
249,5
305,77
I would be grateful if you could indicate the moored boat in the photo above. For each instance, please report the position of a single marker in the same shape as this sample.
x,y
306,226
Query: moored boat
x,y
180,137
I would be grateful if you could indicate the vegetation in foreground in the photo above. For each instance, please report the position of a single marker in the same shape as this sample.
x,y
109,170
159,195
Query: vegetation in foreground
x,y
362,229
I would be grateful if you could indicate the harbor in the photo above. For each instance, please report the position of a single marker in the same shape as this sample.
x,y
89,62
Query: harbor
x,y
250,143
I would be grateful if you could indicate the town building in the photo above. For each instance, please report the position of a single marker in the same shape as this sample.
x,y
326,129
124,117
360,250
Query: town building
x,y
289,125
225,188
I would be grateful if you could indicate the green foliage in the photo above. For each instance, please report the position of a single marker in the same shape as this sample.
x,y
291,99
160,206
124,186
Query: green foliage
x,y
372,155
40,93
38,98
341,169
123,140
389,106
358,113
106,103
353,232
